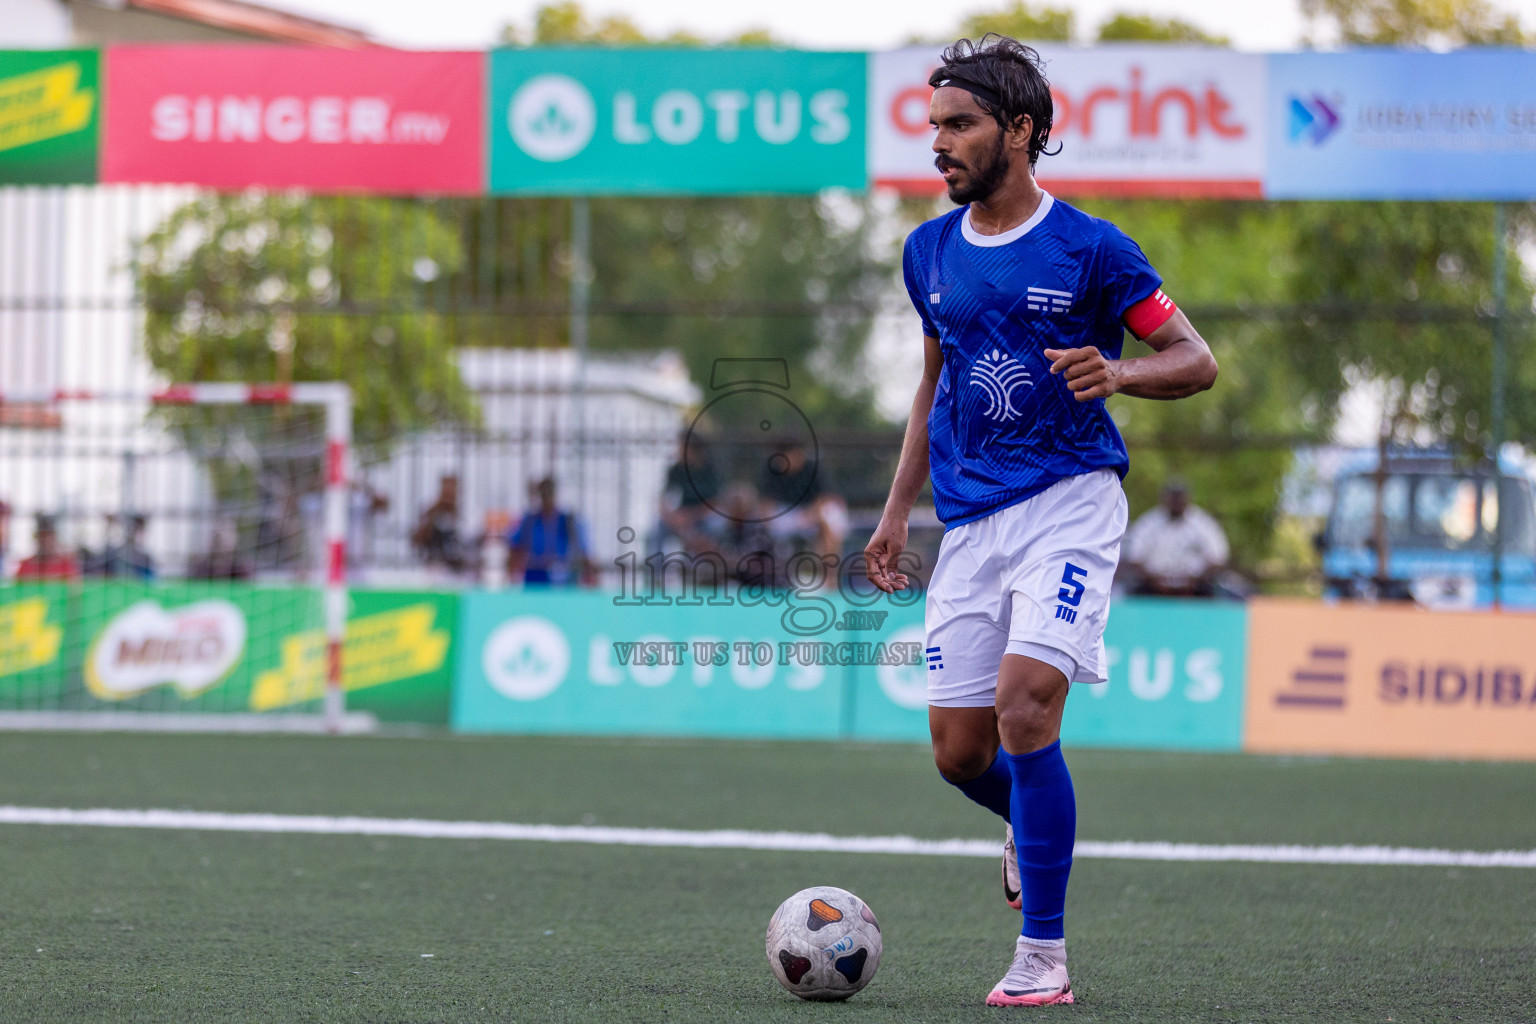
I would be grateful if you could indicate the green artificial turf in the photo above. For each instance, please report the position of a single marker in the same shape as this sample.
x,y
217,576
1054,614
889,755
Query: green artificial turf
x,y
130,925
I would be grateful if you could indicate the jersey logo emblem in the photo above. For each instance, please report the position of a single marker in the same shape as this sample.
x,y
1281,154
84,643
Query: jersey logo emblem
x,y
998,375
1047,300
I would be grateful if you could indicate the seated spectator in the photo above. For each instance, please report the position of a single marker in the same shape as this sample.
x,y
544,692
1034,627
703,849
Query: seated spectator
x,y
222,561
49,562
686,497
436,536
746,543
549,544
129,558
1175,549
800,510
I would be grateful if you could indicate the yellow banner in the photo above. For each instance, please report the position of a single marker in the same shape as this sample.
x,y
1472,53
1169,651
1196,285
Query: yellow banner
x,y
26,640
43,104
385,647
1398,682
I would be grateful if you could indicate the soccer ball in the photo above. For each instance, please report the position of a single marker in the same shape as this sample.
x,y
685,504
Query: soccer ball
x,y
823,943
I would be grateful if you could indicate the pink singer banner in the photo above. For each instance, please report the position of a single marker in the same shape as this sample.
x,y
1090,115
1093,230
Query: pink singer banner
x,y
228,117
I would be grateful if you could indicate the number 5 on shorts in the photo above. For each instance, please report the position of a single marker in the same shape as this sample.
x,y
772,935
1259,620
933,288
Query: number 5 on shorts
x,y
1072,593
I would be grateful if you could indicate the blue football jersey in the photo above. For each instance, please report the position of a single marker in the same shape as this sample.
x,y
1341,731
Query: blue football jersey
x,y
1003,427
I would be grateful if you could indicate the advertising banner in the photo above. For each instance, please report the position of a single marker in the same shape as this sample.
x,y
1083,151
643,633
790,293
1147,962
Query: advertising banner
x,y
1400,682
574,662
385,121
567,661
605,121
397,661
1131,121
1176,671
220,648
50,103
1382,124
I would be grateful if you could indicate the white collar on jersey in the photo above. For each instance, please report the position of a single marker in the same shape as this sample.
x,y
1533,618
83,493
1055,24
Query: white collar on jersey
x,y
1012,234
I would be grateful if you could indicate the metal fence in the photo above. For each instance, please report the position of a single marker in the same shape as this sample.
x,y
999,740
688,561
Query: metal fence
x,y
502,286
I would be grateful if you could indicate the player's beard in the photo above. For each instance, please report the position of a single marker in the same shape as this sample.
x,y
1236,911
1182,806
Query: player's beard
x,y
983,179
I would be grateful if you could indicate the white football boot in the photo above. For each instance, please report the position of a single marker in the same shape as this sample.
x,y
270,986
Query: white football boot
x,y
1011,889
1038,977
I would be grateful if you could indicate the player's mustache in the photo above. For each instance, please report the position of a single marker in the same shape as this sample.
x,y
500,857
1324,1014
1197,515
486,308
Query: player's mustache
x,y
944,163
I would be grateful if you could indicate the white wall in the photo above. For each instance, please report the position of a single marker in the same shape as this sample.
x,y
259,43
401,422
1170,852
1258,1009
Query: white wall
x,y
35,25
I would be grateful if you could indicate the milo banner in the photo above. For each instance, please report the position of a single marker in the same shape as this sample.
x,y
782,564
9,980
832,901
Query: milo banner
x,y
219,648
50,102
813,665
564,121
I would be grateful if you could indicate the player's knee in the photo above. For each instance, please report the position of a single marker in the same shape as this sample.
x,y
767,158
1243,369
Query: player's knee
x,y
961,764
1026,725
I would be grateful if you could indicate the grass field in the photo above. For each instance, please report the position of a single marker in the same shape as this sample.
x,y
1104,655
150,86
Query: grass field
x,y
136,925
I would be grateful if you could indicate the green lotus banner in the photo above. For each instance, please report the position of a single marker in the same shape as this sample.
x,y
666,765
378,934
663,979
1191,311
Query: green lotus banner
x,y
813,665
573,121
220,647
50,106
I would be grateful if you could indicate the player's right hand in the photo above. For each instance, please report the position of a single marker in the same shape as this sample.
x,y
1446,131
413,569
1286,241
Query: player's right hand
x,y
880,554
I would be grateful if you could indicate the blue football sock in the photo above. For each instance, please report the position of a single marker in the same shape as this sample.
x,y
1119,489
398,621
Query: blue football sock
x,y
992,789
1044,816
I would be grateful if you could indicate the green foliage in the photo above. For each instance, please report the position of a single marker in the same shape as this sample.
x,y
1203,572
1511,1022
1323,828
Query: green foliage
x,y
1023,21
1440,23
1147,28
272,288
1210,253
567,23
1414,285
756,252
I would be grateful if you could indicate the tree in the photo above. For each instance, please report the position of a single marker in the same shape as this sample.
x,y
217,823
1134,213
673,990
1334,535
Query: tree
x,y
1023,21
1147,28
288,288
1439,23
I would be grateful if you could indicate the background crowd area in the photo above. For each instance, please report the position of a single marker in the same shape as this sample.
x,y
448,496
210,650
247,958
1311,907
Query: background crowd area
x,y
1342,329
753,529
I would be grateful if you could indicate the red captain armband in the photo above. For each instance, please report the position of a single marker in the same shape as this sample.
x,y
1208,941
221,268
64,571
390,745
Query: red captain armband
x,y
1149,314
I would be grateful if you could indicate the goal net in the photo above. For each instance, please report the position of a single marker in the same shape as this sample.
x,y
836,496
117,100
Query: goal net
x,y
177,552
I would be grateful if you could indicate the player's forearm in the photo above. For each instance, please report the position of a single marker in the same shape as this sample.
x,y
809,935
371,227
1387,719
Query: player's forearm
x,y
912,467
1186,367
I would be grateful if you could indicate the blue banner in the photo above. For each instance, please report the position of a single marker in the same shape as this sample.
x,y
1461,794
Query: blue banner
x,y
1388,124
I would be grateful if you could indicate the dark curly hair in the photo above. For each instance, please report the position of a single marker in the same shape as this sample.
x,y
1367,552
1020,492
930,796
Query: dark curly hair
x,y
1010,71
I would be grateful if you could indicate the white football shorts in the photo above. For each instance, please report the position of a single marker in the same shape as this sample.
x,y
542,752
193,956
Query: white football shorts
x,y
1031,579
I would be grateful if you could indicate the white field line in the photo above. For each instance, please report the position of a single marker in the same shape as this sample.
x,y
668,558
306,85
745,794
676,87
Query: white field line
x,y
736,839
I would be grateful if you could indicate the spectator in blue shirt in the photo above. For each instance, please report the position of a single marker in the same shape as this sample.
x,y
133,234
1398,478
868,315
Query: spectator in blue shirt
x,y
549,544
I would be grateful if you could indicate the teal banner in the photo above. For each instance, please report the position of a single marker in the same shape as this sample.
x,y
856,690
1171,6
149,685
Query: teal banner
x,y
813,667
1176,678
606,121
568,661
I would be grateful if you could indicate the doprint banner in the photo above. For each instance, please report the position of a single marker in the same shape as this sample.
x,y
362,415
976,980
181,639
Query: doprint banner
x,y
1131,121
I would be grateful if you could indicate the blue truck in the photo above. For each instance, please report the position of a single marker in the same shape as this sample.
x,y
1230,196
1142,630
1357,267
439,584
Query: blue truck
x,y
1445,520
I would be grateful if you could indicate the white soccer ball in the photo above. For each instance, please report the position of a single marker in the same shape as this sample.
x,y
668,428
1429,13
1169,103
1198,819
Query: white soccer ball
x,y
823,943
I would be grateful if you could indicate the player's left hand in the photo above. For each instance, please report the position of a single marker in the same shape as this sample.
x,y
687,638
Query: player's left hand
x,y
1088,374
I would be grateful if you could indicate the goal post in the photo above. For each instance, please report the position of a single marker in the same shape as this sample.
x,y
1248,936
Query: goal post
x,y
110,456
